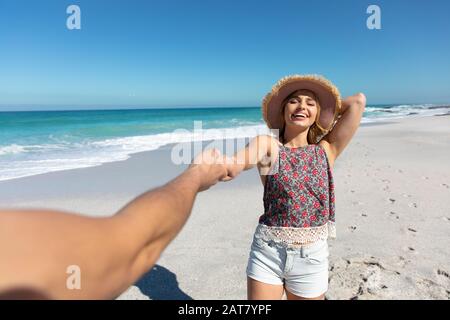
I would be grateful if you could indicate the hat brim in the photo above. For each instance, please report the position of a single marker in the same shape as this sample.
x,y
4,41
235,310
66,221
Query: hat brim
x,y
327,94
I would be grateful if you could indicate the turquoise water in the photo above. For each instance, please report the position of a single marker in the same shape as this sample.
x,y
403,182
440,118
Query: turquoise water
x,y
43,141
72,126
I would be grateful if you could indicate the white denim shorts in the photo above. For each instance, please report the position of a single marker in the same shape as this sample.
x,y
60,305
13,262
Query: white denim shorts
x,y
302,270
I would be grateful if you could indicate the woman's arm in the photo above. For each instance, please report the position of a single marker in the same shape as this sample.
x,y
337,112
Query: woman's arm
x,y
38,247
344,129
255,153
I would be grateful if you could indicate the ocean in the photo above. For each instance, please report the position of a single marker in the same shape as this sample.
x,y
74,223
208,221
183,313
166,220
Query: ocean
x,y
38,142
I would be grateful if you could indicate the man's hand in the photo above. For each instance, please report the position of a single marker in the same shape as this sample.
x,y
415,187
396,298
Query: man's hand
x,y
209,167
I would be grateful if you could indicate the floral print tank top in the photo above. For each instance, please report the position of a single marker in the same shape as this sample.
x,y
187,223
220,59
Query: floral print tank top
x,y
299,202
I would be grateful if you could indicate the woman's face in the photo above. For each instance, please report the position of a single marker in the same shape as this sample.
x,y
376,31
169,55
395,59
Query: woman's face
x,y
301,109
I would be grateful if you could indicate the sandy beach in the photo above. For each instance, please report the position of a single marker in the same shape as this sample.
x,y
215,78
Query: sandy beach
x,y
392,213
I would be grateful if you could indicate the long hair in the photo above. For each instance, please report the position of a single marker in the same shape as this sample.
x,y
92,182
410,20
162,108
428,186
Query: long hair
x,y
314,132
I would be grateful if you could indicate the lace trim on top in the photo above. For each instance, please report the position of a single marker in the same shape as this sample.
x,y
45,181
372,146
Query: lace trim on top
x,y
293,237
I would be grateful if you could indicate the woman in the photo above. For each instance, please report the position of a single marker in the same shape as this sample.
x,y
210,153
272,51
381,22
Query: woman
x,y
289,252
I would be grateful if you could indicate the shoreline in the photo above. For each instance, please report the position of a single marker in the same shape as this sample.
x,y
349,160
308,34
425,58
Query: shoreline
x,y
170,145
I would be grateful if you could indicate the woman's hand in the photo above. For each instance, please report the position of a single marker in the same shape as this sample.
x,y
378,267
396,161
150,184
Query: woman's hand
x,y
358,99
232,166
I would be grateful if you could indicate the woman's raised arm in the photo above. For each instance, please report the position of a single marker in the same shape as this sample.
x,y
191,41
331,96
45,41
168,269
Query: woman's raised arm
x,y
341,134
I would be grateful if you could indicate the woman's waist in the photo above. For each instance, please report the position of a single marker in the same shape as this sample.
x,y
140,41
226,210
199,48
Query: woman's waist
x,y
296,236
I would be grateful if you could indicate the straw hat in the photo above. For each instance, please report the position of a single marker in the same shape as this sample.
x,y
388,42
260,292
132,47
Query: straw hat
x,y
326,92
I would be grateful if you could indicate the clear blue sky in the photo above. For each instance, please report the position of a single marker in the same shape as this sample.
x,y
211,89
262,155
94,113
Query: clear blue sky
x,y
218,52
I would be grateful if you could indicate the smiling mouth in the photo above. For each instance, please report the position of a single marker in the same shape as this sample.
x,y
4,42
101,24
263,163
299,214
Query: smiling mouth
x,y
298,117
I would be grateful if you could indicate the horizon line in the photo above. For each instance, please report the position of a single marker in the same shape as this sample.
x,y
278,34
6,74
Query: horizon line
x,y
122,108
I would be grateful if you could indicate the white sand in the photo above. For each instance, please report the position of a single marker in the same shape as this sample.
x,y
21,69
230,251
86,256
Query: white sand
x,y
392,214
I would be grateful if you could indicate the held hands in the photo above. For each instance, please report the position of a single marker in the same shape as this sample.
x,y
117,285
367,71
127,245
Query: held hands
x,y
232,168
211,166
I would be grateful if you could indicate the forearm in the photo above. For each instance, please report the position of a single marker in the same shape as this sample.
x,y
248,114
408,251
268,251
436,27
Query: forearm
x,y
345,127
248,157
239,162
111,253
151,221
38,248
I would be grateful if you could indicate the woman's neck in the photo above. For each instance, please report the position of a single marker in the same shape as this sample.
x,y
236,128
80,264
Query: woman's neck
x,y
295,140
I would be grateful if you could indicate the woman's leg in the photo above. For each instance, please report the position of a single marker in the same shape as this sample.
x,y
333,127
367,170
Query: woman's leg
x,y
257,290
291,296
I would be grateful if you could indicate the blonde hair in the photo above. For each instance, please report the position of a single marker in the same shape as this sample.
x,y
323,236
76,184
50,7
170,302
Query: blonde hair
x,y
314,132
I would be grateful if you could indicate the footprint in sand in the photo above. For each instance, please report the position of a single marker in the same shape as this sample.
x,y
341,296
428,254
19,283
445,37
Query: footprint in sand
x,y
386,186
443,273
410,250
412,205
361,278
436,291
425,178
406,195
391,200
445,185
353,228
400,171
392,213
412,230
363,214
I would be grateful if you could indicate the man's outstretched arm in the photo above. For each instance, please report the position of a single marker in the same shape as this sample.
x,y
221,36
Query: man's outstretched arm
x,y
38,248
